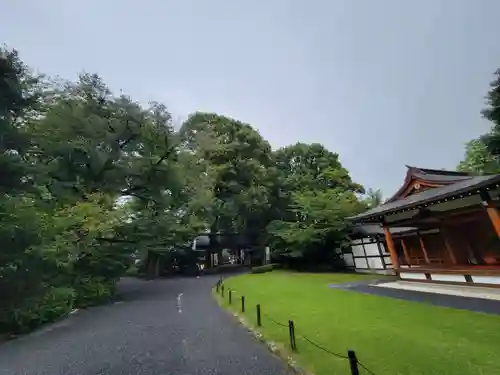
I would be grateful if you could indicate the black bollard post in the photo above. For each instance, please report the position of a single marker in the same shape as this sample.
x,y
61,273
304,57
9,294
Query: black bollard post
x,y
222,290
230,296
291,329
353,362
242,303
217,287
259,321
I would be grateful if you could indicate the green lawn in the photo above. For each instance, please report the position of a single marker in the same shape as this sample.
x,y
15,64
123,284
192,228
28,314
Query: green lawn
x,y
389,336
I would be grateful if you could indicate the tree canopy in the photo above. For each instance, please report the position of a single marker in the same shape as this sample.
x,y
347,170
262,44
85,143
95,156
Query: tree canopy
x,y
313,194
482,155
478,159
92,182
492,113
88,179
238,161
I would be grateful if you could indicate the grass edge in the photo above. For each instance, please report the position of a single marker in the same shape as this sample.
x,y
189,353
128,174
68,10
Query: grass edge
x,y
276,348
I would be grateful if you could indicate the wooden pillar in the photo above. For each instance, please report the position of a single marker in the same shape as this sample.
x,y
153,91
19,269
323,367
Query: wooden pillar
x,y
405,250
424,250
471,255
492,211
494,215
391,248
448,246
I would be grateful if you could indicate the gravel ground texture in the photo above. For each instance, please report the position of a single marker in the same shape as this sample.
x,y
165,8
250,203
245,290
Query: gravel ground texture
x,y
159,327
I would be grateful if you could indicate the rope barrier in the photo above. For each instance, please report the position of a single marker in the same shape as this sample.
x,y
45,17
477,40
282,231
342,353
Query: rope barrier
x,y
326,350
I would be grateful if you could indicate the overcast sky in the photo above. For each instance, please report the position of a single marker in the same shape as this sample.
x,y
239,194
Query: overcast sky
x,y
383,83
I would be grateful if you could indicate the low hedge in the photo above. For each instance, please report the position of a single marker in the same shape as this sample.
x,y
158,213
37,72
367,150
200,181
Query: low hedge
x,y
265,268
53,304
132,271
94,291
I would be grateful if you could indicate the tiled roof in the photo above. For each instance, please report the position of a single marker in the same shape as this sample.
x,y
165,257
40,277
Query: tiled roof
x,y
428,196
434,175
442,172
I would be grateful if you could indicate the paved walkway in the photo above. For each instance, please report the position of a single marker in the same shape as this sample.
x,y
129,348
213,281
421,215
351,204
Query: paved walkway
x,y
456,302
161,327
447,289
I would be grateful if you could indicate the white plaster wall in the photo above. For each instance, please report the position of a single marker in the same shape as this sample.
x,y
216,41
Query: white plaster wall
x,y
357,250
215,259
375,263
383,248
360,263
486,279
446,277
371,249
412,276
349,260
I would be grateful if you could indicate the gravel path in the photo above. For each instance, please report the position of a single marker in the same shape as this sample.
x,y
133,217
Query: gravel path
x,y
167,327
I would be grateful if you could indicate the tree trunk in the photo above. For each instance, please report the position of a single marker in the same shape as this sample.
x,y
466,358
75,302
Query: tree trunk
x,y
152,265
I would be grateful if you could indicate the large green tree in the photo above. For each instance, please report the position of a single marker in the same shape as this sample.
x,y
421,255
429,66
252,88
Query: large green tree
x,y
237,161
313,195
71,156
492,113
110,145
482,155
373,198
19,101
90,180
478,159
90,141
22,278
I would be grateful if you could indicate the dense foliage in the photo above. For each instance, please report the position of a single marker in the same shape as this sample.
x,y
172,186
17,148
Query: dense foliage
x,y
263,269
88,179
92,182
313,194
238,162
478,159
482,155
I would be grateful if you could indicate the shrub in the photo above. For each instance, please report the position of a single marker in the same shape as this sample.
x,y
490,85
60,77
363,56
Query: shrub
x,y
53,304
56,303
265,268
132,271
92,291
